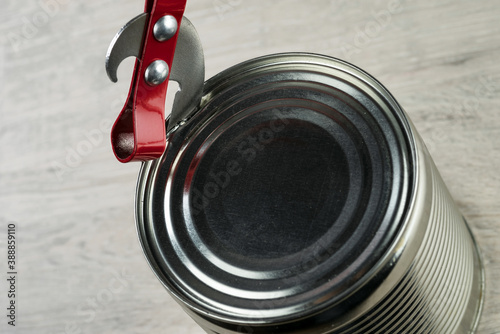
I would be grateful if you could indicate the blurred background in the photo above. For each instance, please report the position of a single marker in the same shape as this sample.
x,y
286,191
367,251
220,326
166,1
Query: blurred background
x,y
80,265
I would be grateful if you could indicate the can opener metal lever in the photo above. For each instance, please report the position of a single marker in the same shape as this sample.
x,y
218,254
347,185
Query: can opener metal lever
x,y
167,47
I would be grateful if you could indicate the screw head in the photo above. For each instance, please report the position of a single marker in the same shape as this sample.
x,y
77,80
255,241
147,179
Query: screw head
x,y
165,28
156,73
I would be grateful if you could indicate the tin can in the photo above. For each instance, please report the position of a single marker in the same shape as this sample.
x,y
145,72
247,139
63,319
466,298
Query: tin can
x,y
299,198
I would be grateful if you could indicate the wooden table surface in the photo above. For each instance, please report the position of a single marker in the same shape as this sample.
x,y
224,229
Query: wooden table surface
x,y
80,266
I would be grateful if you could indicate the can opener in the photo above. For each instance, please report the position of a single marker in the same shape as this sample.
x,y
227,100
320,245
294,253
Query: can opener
x,y
167,47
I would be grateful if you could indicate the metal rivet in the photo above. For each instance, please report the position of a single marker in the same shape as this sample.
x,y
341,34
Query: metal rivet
x,y
156,73
165,28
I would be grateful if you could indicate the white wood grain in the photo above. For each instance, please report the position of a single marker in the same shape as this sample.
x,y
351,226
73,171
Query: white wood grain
x,y
439,58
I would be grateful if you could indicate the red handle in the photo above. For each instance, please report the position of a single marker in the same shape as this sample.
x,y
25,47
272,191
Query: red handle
x,y
139,132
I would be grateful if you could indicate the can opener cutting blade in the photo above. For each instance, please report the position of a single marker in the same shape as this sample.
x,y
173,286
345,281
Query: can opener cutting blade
x,y
167,47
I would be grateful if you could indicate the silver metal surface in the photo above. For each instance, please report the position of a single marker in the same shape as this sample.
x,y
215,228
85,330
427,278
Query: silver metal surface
x,y
156,73
299,198
126,43
165,28
188,69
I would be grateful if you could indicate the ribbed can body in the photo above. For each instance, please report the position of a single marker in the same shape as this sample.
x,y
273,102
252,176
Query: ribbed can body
x,y
442,289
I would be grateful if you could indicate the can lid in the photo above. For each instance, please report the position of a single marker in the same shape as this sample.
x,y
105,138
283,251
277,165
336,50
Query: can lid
x,y
281,194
